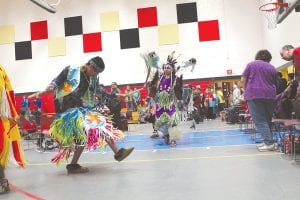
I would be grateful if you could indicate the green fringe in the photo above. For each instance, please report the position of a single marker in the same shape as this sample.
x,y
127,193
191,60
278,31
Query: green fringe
x,y
68,127
165,118
87,99
165,99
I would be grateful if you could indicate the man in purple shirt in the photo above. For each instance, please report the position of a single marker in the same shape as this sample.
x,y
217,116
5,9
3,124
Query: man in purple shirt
x,y
259,82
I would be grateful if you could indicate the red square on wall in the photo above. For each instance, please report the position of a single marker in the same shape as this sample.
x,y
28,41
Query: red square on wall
x,y
208,30
92,42
39,30
147,17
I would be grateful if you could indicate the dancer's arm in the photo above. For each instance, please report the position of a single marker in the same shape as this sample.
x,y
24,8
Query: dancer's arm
x,y
60,79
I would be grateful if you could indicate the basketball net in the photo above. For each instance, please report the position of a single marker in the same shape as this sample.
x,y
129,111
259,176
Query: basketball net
x,y
270,11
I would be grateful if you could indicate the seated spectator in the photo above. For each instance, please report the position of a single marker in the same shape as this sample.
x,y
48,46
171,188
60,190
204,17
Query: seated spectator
x,y
281,83
37,109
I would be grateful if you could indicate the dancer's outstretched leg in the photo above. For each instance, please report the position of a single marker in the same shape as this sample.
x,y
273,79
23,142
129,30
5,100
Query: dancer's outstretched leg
x,y
120,154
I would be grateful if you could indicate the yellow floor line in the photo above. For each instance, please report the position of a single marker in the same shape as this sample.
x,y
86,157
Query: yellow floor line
x,y
173,159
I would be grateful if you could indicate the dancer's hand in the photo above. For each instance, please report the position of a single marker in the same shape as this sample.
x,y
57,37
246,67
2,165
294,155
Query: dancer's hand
x,y
50,88
86,106
122,95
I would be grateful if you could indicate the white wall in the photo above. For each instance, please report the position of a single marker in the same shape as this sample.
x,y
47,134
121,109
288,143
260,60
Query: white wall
x,y
241,33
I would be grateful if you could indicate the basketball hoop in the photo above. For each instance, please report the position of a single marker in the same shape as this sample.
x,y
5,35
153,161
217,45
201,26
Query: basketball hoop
x,y
270,11
47,6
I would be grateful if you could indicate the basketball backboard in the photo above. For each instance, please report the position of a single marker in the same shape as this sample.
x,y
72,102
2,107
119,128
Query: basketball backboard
x,y
284,12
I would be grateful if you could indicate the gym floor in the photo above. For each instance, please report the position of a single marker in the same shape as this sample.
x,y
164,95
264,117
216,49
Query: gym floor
x,y
213,161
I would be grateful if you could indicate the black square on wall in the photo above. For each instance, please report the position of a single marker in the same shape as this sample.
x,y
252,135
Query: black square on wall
x,y
73,26
23,50
129,38
187,12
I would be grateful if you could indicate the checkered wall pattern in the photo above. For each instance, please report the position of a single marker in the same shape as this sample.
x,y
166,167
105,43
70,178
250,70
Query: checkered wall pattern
x,y
129,38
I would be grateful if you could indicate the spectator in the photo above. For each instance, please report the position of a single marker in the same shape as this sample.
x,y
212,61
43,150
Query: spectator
x,y
186,104
289,53
198,106
291,77
128,99
210,103
281,83
150,115
236,95
114,88
25,104
115,105
221,103
259,81
37,109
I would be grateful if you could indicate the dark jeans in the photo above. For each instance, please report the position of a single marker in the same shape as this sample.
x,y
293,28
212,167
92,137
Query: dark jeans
x,y
261,111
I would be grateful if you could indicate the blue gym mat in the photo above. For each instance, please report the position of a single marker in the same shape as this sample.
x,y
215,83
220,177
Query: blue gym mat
x,y
189,140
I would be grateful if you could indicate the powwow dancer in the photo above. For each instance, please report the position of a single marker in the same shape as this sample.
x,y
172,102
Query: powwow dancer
x,y
166,88
76,125
9,131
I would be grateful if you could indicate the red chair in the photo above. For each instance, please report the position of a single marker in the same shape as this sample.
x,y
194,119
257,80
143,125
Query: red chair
x,y
27,126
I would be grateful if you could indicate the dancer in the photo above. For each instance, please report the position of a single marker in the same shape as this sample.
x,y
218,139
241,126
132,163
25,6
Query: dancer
x,y
9,131
166,89
76,125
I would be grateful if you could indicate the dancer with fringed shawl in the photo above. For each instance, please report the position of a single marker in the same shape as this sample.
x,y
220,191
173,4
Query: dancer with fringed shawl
x,y
76,125
166,88
9,131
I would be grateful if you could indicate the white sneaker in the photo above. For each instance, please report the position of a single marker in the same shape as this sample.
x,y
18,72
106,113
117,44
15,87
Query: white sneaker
x,y
267,148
